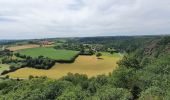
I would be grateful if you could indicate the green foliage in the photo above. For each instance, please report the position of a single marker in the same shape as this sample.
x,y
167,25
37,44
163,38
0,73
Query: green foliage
x,y
34,89
11,67
152,93
111,93
124,78
39,63
5,53
98,55
84,49
75,78
73,93
164,41
120,44
102,79
129,62
140,76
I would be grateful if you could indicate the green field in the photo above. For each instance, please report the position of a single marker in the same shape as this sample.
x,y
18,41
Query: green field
x,y
3,67
50,53
111,55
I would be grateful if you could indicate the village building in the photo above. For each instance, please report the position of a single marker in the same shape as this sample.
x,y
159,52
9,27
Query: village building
x,y
46,42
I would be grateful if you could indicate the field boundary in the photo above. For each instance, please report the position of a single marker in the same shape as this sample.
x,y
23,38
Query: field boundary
x,y
68,61
56,61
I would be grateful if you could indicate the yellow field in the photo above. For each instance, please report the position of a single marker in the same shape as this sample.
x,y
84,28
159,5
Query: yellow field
x,y
26,46
89,65
15,48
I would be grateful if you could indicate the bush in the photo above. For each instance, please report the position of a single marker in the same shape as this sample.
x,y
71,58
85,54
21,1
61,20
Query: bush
x,y
73,93
152,93
129,62
7,77
12,67
30,77
39,63
75,78
110,93
98,55
4,72
124,78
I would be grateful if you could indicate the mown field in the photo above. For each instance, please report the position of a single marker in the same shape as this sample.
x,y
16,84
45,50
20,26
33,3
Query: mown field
x,y
49,52
26,46
20,47
89,65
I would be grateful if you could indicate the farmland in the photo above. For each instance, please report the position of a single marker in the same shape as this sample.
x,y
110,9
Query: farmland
x,y
106,68
3,67
26,46
49,52
19,47
89,65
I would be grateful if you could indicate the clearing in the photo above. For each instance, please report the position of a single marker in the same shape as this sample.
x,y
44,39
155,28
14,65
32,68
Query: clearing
x,y
89,65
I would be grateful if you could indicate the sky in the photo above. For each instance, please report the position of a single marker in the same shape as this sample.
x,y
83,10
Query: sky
x,y
26,19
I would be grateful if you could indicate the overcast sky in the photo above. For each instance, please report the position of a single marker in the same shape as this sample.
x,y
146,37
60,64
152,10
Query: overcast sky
x,y
75,18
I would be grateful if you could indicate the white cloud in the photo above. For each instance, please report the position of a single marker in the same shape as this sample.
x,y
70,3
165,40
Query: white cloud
x,y
58,18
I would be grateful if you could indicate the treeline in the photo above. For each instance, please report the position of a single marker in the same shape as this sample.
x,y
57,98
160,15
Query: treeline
x,y
5,52
71,87
27,61
7,42
83,48
71,60
119,43
147,74
38,63
21,61
86,49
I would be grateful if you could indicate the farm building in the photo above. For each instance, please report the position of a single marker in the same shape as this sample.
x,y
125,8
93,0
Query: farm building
x,y
46,42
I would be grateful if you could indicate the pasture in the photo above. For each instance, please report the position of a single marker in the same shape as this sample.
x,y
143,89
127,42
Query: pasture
x,y
50,53
89,65
3,67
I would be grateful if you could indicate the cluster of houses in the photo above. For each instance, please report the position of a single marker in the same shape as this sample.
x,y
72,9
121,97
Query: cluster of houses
x,y
46,42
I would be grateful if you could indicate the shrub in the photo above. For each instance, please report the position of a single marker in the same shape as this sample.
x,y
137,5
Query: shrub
x,y
110,93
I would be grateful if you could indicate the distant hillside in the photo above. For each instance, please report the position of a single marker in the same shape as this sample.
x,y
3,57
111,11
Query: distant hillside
x,y
5,41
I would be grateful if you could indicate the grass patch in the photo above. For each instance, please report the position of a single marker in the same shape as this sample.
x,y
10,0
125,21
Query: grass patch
x,y
111,55
89,65
3,67
50,53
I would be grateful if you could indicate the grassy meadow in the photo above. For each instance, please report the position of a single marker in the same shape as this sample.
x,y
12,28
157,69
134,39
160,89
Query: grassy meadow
x,y
49,52
89,65
3,67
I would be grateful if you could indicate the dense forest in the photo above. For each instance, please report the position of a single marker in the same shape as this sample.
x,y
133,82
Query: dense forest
x,y
143,74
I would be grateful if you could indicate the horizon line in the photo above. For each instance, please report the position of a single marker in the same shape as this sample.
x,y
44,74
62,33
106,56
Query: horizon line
x,y
88,36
